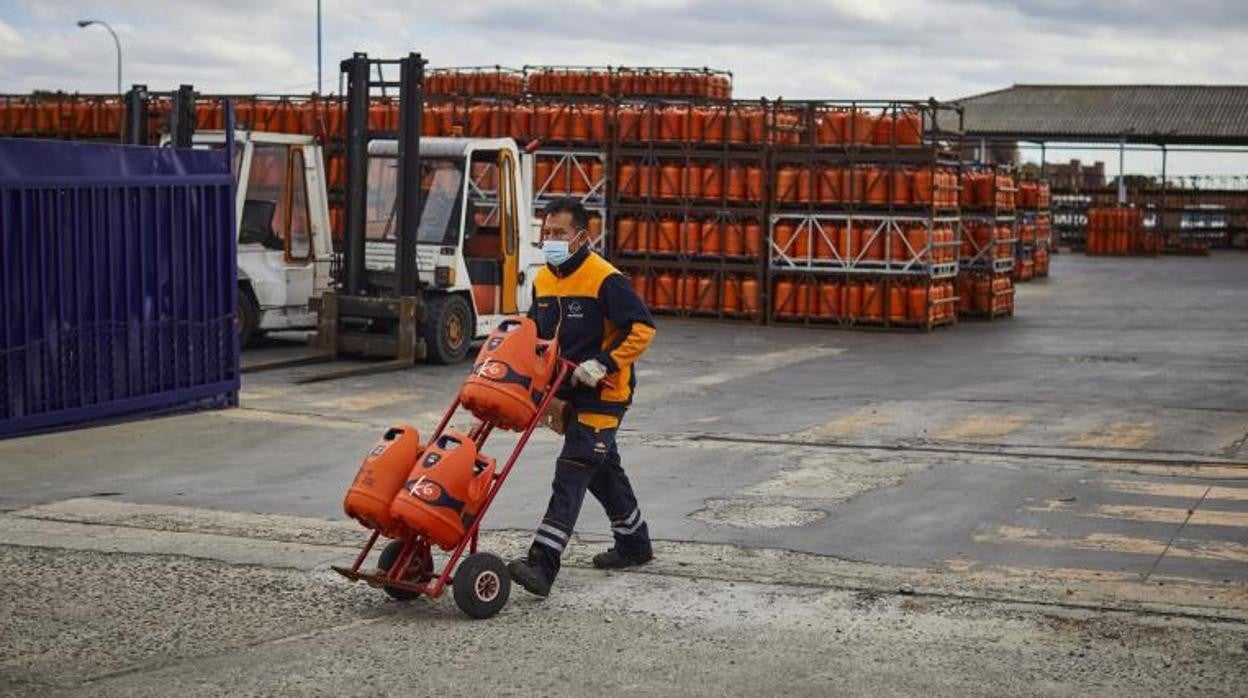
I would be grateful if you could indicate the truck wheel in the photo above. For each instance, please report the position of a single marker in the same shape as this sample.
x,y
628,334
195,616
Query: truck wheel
x,y
448,329
482,585
246,317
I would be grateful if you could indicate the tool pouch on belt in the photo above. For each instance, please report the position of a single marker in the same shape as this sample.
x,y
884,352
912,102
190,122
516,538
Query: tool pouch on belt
x,y
511,375
557,415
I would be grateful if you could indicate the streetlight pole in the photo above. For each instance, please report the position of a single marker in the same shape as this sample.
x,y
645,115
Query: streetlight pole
x,y
320,90
89,22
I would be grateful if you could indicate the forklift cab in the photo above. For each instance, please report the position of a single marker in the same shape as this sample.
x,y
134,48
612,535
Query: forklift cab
x,y
473,221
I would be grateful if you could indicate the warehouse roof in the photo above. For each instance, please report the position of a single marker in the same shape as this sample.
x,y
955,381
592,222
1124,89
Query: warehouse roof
x,y
1174,114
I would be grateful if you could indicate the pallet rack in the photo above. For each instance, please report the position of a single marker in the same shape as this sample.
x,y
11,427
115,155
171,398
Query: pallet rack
x,y
864,224
689,206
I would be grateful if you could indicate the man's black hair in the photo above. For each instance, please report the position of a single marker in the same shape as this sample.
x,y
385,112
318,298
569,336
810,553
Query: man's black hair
x,y
580,217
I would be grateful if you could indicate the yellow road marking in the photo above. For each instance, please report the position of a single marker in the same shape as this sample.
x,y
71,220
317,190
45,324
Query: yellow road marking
x,y
981,426
1192,492
1117,435
1109,542
850,424
368,400
1200,517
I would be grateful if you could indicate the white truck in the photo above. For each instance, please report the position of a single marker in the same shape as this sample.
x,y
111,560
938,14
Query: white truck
x,y
475,255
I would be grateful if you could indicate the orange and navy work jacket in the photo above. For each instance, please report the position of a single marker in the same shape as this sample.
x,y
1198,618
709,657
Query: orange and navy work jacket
x,y
597,315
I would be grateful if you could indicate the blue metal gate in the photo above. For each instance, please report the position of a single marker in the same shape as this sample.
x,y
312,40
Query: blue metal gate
x,y
117,282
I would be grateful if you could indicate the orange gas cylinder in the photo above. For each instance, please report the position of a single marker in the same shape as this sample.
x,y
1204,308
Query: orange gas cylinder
x,y
597,172
860,129
672,124
757,123
597,116
782,238
521,124
785,302
921,186
738,130
709,235
831,128
713,125
645,181
901,187
804,292
626,234
511,372
786,183
691,237
917,310
625,176
732,295
829,300
707,299
543,175
806,185
854,185
853,299
693,181
753,183
668,241
873,301
983,293
669,180
647,235
752,239
687,292
478,120
695,124
897,302
872,244
749,296
824,242
909,128
885,128
664,291
380,477
732,239
736,181
848,242
628,124
712,181
829,186
445,490
876,186
917,237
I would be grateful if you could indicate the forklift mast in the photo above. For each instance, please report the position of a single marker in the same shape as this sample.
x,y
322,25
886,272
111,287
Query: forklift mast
x,y
359,71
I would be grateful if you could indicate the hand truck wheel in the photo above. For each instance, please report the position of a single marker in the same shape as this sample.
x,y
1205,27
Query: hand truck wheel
x,y
419,569
482,585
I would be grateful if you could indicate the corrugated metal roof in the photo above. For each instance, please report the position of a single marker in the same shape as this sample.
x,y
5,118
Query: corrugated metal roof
x,y
1207,114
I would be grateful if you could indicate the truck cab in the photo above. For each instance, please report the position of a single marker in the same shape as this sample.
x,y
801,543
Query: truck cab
x,y
475,254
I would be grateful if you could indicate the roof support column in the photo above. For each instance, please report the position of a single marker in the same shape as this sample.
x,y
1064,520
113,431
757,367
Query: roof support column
x,y
1122,182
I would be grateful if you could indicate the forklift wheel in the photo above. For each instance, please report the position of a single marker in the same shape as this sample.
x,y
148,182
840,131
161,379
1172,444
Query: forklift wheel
x,y
389,555
448,329
247,317
482,585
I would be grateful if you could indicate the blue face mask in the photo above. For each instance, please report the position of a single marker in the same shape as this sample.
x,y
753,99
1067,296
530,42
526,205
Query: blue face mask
x,y
556,251
559,251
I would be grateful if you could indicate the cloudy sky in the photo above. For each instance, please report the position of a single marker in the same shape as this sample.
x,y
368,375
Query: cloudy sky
x,y
794,49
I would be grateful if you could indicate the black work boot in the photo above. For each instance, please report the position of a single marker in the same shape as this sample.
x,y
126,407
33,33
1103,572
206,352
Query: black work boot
x,y
613,559
529,573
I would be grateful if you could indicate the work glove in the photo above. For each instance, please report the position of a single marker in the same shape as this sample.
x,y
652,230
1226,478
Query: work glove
x,y
589,373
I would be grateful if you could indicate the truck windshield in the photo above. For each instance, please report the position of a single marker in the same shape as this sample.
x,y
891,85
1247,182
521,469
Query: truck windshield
x,y
442,182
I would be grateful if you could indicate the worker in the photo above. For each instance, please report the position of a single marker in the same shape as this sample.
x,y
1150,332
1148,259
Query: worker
x,y
602,326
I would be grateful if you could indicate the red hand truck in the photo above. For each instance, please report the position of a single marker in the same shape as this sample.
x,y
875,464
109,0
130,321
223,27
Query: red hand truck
x,y
481,584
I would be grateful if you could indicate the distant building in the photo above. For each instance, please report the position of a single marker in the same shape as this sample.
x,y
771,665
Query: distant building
x,y
1076,175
